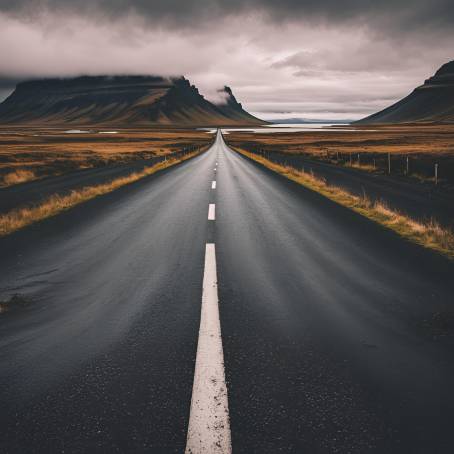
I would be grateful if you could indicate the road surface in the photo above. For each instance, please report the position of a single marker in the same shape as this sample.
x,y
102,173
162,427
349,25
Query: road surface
x,y
420,201
321,332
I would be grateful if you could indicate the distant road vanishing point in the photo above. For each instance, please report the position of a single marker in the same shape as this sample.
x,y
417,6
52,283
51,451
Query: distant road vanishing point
x,y
217,307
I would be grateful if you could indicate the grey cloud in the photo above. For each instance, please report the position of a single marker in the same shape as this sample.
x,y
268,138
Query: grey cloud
x,y
365,56
404,14
300,57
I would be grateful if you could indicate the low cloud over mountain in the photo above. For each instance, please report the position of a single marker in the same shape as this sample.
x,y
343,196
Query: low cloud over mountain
x,y
307,58
119,101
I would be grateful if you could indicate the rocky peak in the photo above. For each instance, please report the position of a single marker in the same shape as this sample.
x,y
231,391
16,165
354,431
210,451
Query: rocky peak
x,y
444,75
229,97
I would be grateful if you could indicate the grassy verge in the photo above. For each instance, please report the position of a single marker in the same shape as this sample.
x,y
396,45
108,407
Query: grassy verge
x,y
21,217
363,167
18,176
429,234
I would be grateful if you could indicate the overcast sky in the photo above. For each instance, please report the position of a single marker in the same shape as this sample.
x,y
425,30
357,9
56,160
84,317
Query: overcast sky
x,y
290,58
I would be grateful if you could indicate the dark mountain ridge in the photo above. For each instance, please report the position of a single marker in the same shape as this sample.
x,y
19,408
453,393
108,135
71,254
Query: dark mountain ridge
x,y
121,101
432,102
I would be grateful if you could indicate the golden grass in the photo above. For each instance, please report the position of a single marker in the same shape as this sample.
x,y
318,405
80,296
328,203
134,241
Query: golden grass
x,y
18,176
429,234
53,152
423,178
364,167
19,218
433,141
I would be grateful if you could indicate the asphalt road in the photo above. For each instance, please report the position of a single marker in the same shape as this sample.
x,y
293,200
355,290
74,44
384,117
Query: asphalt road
x,y
330,333
420,201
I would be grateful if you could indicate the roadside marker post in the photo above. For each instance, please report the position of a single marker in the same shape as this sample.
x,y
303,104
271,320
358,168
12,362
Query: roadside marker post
x,y
436,173
389,163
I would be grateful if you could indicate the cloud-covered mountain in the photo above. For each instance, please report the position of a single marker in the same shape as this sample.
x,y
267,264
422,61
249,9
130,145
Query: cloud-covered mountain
x,y
121,101
431,102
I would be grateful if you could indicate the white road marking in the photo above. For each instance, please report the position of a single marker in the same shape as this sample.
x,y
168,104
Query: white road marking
x,y
209,423
213,185
212,212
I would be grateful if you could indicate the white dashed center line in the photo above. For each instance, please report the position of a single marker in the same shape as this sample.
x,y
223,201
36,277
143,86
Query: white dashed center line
x,y
209,424
213,185
211,212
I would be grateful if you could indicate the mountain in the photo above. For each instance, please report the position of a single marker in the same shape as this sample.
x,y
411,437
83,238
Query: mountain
x,y
431,102
121,101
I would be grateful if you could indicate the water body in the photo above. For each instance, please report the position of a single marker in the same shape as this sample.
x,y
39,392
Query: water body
x,y
294,127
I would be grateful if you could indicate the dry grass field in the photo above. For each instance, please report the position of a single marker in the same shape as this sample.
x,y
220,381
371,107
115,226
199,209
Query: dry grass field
x,y
367,148
31,153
